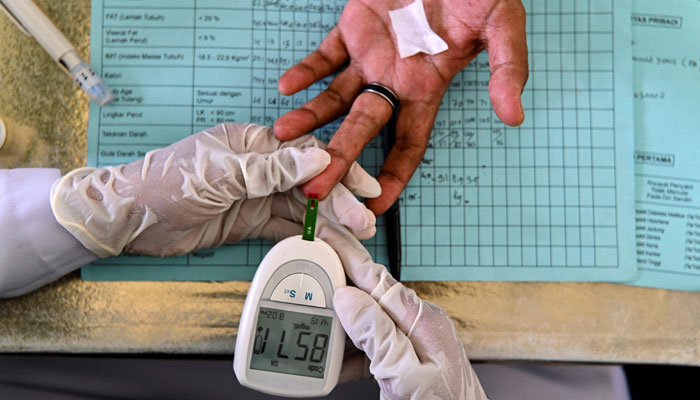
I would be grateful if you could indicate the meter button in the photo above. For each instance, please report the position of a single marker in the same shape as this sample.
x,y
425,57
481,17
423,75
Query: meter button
x,y
301,289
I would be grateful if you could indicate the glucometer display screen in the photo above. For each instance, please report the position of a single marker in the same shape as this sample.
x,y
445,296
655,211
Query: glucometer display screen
x,y
291,342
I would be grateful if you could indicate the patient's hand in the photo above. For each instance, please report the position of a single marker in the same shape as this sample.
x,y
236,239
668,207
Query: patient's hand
x,y
364,38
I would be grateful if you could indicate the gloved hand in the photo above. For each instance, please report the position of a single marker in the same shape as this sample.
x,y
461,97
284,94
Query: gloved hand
x,y
412,344
218,186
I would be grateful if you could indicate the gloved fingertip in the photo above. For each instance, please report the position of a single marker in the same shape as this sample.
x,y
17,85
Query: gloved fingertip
x,y
308,162
317,156
347,300
361,221
369,189
361,183
366,234
367,224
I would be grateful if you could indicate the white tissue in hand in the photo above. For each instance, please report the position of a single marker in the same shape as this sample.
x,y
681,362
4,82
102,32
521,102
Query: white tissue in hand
x,y
413,32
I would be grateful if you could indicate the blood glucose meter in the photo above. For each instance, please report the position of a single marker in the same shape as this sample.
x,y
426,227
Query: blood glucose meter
x,y
290,342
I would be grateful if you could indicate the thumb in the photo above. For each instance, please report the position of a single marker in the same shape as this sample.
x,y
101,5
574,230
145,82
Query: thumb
x,y
507,48
280,171
394,362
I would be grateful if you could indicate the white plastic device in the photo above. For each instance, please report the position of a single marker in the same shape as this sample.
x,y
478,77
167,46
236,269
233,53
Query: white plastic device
x,y
290,341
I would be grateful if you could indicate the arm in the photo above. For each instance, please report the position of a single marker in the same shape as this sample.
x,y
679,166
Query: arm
x,y
34,248
228,183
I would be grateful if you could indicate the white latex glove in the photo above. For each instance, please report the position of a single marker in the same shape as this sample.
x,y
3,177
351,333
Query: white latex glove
x,y
412,344
217,186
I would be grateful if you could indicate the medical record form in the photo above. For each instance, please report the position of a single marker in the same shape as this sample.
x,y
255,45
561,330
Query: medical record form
x,y
666,57
550,200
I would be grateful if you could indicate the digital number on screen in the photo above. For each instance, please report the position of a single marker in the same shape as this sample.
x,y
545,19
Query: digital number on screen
x,y
291,342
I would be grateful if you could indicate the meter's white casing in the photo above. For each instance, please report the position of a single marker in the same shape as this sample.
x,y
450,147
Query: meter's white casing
x,y
278,264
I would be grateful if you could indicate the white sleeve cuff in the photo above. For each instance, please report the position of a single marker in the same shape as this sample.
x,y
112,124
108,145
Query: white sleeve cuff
x,y
34,248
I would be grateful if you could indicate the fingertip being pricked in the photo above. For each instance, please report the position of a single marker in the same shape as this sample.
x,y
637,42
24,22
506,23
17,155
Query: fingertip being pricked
x,y
324,182
315,189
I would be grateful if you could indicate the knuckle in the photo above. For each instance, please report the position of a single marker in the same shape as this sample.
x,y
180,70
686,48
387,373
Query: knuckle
x,y
306,65
412,149
324,58
333,95
364,121
339,157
